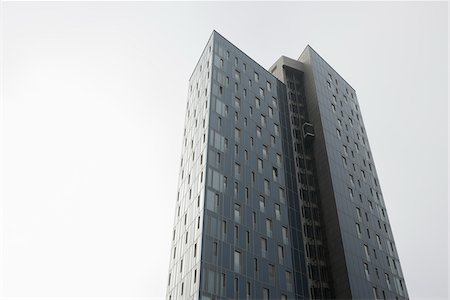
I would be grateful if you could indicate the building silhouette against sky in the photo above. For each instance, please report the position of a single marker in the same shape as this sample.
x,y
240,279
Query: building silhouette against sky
x,y
278,196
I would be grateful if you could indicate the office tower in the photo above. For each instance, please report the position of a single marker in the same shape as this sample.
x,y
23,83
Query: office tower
x,y
278,196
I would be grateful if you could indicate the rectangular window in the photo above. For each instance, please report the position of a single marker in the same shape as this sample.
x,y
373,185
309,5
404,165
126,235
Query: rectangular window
x,y
271,273
265,294
289,281
388,281
264,247
275,174
237,134
276,129
237,103
237,213
366,271
257,102
264,151
379,242
266,187
261,92
258,131
263,120
237,75
269,227
358,230
256,77
277,212
282,195
262,203
366,251
270,112
284,232
269,86
260,165
280,254
237,170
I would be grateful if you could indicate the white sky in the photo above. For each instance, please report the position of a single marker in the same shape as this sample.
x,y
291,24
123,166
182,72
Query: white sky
x,y
93,102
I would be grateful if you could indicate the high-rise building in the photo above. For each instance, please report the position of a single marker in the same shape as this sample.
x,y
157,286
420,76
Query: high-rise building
x,y
278,196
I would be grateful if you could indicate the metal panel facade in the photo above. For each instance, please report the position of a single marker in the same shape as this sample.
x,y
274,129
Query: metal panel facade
x,y
278,195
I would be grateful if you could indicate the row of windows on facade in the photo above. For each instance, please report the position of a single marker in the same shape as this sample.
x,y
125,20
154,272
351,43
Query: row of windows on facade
x,y
239,259
330,80
373,193
350,121
226,55
224,80
389,243
211,282
381,213
398,282
212,204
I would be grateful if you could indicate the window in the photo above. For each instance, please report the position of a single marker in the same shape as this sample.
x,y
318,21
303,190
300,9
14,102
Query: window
x,y
237,261
269,86
280,254
270,112
263,120
237,213
237,75
277,212
289,281
388,281
271,273
261,92
263,247
358,230
269,227
276,129
338,132
212,201
375,293
237,170
366,271
333,107
262,203
272,140
265,294
215,248
278,159
358,213
244,67
257,102
258,131
366,250
236,61
237,102
260,165
282,195
274,102
256,77
237,134
284,232
275,174
266,187
379,242
264,151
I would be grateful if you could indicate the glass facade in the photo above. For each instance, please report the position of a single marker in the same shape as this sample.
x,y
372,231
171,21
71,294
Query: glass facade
x,y
262,186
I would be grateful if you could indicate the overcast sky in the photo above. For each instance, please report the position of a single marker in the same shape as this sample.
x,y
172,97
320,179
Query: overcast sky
x,y
93,103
